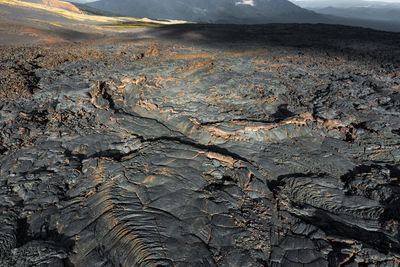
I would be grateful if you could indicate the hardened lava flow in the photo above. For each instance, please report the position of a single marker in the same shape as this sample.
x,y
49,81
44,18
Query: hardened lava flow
x,y
202,145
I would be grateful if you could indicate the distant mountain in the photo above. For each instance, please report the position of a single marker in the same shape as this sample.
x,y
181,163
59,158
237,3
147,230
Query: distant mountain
x,y
371,12
355,9
248,12
211,11
319,4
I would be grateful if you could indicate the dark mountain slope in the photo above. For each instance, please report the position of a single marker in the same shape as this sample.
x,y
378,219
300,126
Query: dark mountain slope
x,y
227,11
235,11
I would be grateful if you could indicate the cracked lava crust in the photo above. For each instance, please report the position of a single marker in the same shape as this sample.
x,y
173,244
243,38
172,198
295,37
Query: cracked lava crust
x,y
203,145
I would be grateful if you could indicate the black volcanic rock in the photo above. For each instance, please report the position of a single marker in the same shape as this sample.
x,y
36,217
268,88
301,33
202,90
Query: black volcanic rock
x,y
204,145
220,11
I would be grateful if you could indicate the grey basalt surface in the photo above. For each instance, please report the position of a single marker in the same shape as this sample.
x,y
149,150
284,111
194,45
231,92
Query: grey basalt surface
x,y
205,145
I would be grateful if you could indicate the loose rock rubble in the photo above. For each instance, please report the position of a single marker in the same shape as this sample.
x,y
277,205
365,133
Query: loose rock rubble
x,y
201,145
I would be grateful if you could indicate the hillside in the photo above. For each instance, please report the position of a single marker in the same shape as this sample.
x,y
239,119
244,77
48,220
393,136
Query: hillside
x,y
94,11
38,21
246,12
221,11
57,4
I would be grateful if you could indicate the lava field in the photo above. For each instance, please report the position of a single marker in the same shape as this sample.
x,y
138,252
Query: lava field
x,y
202,145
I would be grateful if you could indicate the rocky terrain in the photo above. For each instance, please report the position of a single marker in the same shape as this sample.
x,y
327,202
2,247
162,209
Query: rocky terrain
x,y
202,145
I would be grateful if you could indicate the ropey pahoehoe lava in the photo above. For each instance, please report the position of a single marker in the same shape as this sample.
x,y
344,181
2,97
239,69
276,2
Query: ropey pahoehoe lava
x,y
196,144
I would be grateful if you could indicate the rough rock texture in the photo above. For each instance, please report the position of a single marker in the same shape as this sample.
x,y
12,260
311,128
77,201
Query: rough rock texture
x,y
203,145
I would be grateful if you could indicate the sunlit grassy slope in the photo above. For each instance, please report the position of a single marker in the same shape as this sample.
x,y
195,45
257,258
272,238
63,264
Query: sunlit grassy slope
x,y
116,21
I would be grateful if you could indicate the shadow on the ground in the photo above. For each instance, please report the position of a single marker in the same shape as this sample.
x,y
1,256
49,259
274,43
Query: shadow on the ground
x,y
350,41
